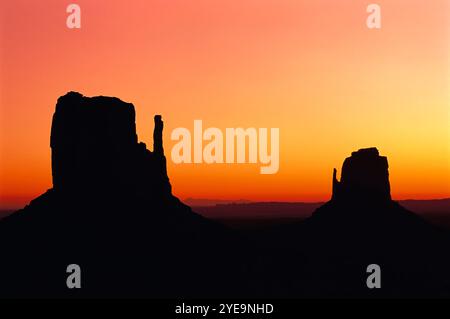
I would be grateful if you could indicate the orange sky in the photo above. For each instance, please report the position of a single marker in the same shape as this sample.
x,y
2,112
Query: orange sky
x,y
311,68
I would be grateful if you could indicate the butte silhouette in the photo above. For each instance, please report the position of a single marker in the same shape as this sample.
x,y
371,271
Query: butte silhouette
x,y
112,212
361,225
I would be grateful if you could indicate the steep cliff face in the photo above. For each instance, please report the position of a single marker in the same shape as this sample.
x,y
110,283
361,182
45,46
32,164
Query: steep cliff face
x,y
95,149
364,177
112,212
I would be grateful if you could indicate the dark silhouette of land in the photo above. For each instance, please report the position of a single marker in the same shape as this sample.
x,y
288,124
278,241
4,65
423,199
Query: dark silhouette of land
x,y
359,226
111,211
205,202
266,214
244,214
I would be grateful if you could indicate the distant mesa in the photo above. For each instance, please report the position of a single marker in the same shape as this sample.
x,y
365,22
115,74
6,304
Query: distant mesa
x,y
111,210
364,177
206,202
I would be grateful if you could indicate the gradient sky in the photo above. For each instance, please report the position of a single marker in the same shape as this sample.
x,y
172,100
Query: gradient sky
x,y
311,68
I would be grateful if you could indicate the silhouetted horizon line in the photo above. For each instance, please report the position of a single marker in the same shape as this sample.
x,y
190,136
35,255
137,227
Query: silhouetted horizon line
x,y
249,201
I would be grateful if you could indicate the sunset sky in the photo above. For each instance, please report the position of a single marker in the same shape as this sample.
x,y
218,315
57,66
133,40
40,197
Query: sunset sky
x,y
310,68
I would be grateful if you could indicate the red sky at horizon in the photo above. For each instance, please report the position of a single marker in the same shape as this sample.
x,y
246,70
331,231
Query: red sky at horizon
x,y
311,68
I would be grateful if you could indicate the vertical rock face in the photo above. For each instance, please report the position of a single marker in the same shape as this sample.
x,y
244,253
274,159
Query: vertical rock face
x,y
95,149
111,207
157,136
364,177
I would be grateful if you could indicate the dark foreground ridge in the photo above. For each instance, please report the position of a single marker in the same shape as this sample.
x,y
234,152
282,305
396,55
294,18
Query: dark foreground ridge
x,y
112,212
